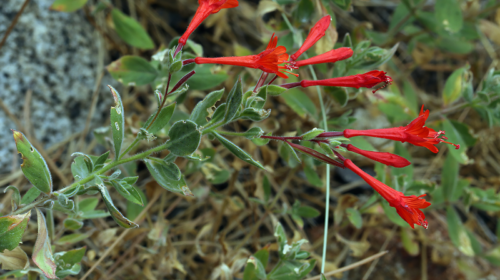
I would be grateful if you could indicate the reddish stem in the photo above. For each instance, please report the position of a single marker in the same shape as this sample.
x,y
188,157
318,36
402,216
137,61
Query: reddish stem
x,y
178,49
273,79
282,138
181,81
187,61
330,134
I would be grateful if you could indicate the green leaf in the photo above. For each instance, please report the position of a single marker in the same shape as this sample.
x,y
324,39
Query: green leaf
x,y
411,246
127,191
131,31
289,154
72,238
275,90
453,86
304,11
339,94
311,134
30,195
161,172
299,102
457,232
200,112
237,151
311,173
464,132
72,224
87,204
454,137
306,212
162,119
449,177
133,210
99,161
254,270
67,6
17,274
34,167
233,103
132,70
184,138
253,114
117,122
254,132
449,15
354,217
12,229
42,252
115,213
68,262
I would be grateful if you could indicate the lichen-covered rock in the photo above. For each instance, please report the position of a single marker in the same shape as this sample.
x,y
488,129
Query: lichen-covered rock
x,y
55,55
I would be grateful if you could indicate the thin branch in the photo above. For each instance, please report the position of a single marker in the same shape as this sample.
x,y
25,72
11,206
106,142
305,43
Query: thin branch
x,y
13,23
349,267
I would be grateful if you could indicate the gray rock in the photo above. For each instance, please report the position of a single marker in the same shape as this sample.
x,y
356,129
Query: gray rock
x,y
55,55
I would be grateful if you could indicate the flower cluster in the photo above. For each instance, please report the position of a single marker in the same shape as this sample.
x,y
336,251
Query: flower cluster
x,y
275,60
416,133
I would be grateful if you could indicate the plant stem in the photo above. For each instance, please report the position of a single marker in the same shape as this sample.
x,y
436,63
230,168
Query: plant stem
x,y
162,103
132,145
325,126
113,165
30,206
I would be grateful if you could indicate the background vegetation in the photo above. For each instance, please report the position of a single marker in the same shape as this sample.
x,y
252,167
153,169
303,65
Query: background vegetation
x,y
443,54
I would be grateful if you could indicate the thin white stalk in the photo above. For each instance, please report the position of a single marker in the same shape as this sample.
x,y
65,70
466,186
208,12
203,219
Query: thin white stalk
x,y
325,126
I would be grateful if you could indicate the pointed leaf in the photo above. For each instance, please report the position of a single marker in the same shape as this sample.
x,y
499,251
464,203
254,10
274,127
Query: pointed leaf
x,y
12,229
184,138
72,238
131,31
132,70
128,192
234,99
42,252
159,171
115,213
72,224
237,151
162,119
117,122
200,112
34,166
67,262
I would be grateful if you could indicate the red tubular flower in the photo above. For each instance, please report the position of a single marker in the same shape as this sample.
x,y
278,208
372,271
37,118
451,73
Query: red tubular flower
x,y
408,207
415,133
385,158
328,57
205,8
267,61
315,34
367,80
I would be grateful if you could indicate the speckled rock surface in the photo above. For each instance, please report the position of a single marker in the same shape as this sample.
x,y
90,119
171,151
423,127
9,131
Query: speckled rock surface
x,y
55,55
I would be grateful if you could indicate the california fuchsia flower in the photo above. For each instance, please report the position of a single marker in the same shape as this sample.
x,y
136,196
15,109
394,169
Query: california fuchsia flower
x,y
205,8
408,207
315,34
385,158
415,133
328,57
267,61
367,80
